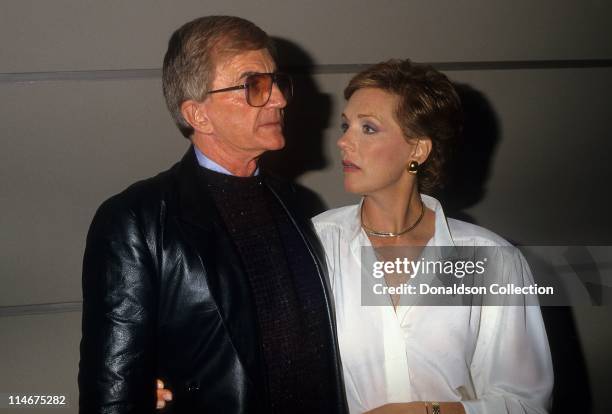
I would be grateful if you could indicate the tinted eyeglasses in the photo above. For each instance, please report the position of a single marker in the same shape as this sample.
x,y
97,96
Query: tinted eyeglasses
x,y
258,87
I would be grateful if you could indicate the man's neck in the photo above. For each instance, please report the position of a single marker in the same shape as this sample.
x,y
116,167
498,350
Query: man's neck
x,y
216,161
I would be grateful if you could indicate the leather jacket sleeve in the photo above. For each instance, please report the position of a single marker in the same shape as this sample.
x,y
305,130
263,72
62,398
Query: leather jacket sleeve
x,y
117,365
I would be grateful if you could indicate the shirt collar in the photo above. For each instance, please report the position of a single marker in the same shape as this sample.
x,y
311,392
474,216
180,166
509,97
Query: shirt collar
x,y
442,235
207,163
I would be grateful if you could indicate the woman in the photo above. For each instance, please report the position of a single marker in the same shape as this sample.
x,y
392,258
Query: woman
x,y
398,125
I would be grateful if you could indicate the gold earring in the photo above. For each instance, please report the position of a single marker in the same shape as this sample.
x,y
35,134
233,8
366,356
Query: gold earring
x,y
413,167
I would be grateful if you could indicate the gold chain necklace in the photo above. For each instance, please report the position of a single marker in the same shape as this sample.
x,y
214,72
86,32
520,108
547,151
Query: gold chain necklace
x,y
371,232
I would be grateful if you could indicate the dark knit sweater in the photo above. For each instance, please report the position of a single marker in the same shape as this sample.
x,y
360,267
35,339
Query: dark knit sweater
x,y
286,290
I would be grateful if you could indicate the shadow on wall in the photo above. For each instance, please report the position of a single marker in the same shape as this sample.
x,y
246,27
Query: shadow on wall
x,y
571,392
470,164
468,172
306,118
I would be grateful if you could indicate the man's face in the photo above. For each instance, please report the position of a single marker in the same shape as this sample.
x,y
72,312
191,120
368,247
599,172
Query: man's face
x,y
241,129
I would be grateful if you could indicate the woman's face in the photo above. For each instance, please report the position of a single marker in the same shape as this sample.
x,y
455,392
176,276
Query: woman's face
x,y
375,152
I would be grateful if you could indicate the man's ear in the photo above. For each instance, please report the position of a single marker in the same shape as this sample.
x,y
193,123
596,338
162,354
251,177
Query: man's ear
x,y
195,113
422,149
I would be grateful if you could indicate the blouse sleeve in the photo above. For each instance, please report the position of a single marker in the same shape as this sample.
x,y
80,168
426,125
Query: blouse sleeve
x,y
512,367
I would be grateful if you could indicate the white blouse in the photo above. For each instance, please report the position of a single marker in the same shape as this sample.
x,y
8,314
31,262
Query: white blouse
x,y
493,359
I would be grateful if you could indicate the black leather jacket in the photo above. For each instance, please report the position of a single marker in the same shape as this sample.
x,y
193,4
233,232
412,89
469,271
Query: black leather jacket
x,y
164,296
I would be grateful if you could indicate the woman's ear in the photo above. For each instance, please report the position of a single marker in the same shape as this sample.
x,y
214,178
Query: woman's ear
x,y
195,113
422,149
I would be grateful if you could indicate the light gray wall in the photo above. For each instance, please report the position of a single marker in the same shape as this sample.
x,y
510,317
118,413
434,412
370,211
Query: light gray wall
x,y
72,139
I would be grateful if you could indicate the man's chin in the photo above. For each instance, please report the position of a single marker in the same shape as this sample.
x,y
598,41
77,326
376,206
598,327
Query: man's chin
x,y
274,143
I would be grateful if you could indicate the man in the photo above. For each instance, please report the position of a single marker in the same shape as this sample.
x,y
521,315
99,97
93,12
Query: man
x,y
204,275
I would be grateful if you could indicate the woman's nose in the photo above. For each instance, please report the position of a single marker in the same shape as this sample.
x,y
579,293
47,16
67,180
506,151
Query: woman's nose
x,y
344,141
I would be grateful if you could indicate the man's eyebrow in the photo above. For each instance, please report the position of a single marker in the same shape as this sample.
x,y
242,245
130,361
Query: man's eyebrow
x,y
245,74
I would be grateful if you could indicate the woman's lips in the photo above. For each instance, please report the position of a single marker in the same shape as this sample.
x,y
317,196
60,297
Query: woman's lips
x,y
348,166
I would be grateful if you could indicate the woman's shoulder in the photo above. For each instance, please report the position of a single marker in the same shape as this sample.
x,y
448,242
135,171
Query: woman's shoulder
x,y
337,226
336,217
463,232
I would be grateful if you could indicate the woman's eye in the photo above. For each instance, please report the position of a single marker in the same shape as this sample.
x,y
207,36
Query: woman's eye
x,y
368,129
344,126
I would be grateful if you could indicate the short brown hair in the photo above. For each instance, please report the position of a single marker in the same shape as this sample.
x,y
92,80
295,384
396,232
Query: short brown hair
x,y
193,51
428,107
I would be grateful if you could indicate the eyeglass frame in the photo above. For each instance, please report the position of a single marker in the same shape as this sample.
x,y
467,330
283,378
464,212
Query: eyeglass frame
x,y
245,86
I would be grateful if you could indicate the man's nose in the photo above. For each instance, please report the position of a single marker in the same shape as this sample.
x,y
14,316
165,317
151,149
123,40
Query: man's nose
x,y
277,99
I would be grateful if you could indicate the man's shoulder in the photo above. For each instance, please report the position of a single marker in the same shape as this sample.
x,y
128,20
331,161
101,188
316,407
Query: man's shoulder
x,y
143,196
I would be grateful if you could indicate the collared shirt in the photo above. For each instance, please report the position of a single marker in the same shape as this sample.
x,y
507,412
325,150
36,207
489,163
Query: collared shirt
x,y
493,359
206,162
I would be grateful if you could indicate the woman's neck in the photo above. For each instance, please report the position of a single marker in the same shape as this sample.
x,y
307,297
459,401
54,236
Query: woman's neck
x,y
396,211
391,211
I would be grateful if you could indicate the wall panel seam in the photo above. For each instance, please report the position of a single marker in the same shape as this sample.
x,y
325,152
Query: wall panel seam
x,y
41,308
154,73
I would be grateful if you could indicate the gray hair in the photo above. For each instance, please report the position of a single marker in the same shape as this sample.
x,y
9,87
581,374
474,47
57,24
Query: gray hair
x,y
193,51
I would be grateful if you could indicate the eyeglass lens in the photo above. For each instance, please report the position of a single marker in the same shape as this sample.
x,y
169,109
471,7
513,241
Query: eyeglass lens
x,y
260,87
